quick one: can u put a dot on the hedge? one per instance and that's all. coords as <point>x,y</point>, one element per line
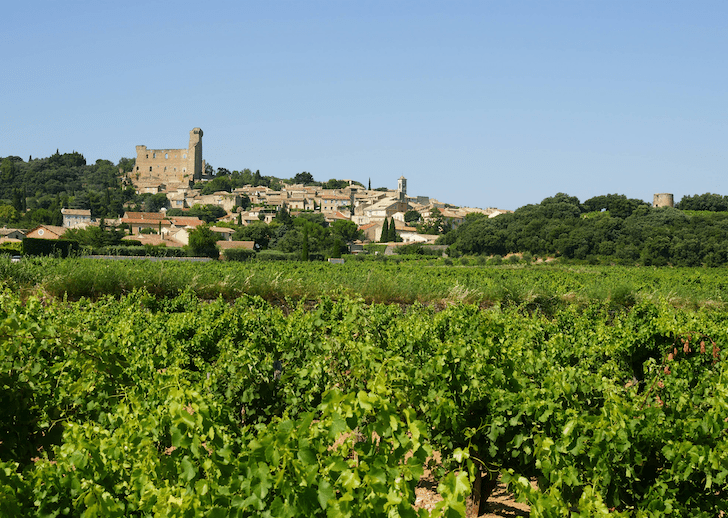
<point>56,247</point>
<point>238,254</point>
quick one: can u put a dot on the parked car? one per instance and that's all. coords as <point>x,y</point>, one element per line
<point>15,259</point>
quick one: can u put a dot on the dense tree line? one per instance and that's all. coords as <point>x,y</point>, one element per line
<point>225,180</point>
<point>622,230</point>
<point>707,201</point>
<point>34,192</point>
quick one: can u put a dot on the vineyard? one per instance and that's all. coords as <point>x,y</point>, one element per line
<point>157,389</point>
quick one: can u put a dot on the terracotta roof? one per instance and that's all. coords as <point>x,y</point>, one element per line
<point>222,230</point>
<point>8,231</point>
<point>144,215</point>
<point>59,231</point>
<point>164,222</point>
<point>224,245</point>
<point>186,221</point>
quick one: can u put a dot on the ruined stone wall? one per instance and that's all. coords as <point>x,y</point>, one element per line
<point>663,200</point>
<point>169,166</point>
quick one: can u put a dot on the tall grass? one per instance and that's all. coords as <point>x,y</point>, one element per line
<point>374,281</point>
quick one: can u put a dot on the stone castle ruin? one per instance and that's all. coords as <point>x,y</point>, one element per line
<point>168,169</point>
<point>663,199</point>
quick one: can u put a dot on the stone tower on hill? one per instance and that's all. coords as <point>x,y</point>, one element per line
<point>168,169</point>
<point>663,199</point>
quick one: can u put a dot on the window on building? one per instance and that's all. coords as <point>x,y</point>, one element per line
<point>150,169</point>
<point>166,155</point>
<point>154,155</point>
<point>184,156</point>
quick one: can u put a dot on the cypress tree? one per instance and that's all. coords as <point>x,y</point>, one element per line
<point>392,232</point>
<point>304,248</point>
<point>385,232</point>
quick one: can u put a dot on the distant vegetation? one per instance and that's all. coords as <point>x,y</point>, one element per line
<point>608,228</point>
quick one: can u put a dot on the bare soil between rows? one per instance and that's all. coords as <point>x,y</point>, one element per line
<point>500,504</point>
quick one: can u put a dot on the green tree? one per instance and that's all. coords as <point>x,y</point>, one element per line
<point>335,184</point>
<point>256,231</point>
<point>304,178</point>
<point>126,164</point>
<point>207,213</point>
<point>345,229</point>
<point>336,248</point>
<point>392,232</point>
<point>245,202</point>
<point>412,216</point>
<point>385,231</point>
<point>7,171</point>
<point>155,202</point>
<point>283,216</point>
<point>8,214</point>
<point>304,246</point>
<point>203,242</point>
<point>18,200</point>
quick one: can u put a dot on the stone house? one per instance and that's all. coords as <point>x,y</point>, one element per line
<point>76,218</point>
<point>156,221</point>
<point>225,232</point>
<point>11,234</point>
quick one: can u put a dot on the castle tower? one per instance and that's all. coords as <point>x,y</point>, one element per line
<point>663,200</point>
<point>195,150</point>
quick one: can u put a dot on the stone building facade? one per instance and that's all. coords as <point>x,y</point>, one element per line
<point>172,168</point>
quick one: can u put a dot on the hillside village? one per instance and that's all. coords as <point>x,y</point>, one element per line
<point>174,172</point>
<point>170,201</point>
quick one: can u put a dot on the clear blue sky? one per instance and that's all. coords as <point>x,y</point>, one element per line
<point>486,104</point>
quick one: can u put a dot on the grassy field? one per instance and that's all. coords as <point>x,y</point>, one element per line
<point>402,282</point>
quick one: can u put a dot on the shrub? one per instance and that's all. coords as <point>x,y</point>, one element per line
<point>238,254</point>
<point>55,247</point>
<point>622,295</point>
<point>275,255</point>
<point>495,260</point>
<point>202,242</point>
<point>163,251</point>
<point>11,248</point>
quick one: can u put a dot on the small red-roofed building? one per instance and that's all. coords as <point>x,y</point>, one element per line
<point>46,232</point>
